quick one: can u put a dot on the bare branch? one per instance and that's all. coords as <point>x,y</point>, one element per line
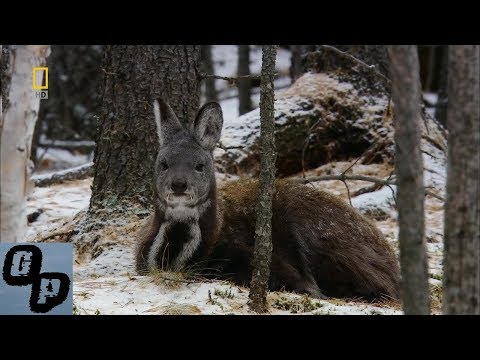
<point>432,194</point>
<point>348,192</point>
<point>342,177</point>
<point>367,189</point>
<point>372,68</point>
<point>230,79</point>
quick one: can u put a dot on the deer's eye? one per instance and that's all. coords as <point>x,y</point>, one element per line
<point>163,166</point>
<point>199,167</point>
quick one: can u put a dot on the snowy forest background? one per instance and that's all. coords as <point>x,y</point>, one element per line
<point>334,124</point>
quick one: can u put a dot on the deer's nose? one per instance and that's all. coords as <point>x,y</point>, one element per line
<point>179,186</point>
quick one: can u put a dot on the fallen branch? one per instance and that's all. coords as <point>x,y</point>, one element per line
<point>76,173</point>
<point>342,177</point>
<point>70,145</point>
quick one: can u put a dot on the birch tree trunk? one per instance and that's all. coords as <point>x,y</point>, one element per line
<point>16,139</point>
<point>461,286</point>
<point>409,170</point>
<point>263,228</point>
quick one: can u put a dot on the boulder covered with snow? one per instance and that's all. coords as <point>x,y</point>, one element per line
<point>326,116</point>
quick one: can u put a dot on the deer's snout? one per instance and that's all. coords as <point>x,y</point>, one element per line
<point>179,186</point>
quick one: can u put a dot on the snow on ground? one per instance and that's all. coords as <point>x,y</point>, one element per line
<point>57,202</point>
<point>108,284</point>
<point>51,159</point>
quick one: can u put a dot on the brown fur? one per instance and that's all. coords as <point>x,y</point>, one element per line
<point>321,245</point>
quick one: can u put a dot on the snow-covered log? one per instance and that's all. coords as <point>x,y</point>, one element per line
<point>339,113</point>
<point>19,120</point>
<point>76,173</point>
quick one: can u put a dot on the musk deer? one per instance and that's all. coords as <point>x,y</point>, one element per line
<point>321,245</point>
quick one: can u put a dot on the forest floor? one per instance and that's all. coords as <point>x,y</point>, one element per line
<point>106,283</point>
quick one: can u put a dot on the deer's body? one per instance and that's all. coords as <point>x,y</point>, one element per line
<point>321,245</point>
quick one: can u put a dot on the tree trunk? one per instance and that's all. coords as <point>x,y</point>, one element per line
<point>244,85</point>
<point>296,67</point>
<point>409,170</point>
<point>441,108</point>
<point>75,76</point>
<point>461,287</point>
<point>1,93</point>
<point>263,227</point>
<point>127,141</point>
<point>4,77</point>
<point>208,68</point>
<point>373,55</point>
<point>16,137</point>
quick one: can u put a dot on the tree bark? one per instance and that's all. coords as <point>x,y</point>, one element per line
<point>16,139</point>
<point>208,68</point>
<point>409,169</point>
<point>244,85</point>
<point>263,227</point>
<point>441,108</point>
<point>296,67</point>
<point>127,141</point>
<point>1,93</point>
<point>461,286</point>
<point>75,74</point>
<point>5,74</point>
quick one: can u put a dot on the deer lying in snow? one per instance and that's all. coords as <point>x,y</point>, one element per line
<point>321,245</point>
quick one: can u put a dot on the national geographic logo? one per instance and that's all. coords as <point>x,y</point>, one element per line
<point>40,82</point>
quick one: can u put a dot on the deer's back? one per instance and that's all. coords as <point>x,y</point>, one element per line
<point>312,231</point>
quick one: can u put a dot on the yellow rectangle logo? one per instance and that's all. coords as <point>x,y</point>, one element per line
<point>42,83</point>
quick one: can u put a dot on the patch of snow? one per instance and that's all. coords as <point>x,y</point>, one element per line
<point>56,159</point>
<point>379,200</point>
<point>430,98</point>
<point>115,260</point>
<point>57,202</point>
<point>140,295</point>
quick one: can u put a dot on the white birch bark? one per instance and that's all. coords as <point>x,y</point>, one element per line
<point>16,140</point>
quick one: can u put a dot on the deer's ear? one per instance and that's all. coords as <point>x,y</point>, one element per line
<point>166,120</point>
<point>208,125</point>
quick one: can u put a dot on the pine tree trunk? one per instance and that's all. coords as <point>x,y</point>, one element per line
<point>441,108</point>
<point>296,67</point>
<point>208,68</point>
<point>16,139</point>
<point>75,74</point>
<point>461,287</point>
<point>409,170</point>
<point>127,142</point>
<point>263,227</point>
<point>244,85</point>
